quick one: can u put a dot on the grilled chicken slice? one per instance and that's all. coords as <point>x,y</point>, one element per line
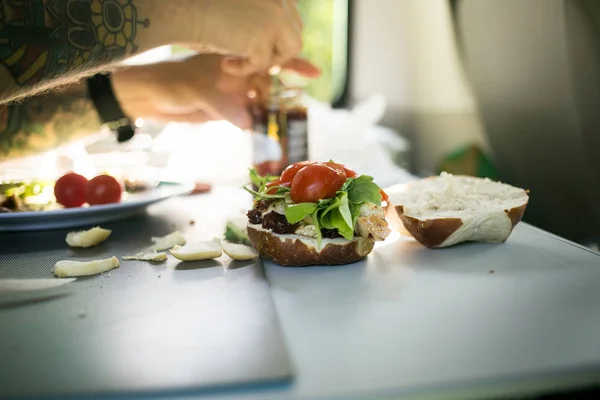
<point>372,227</point>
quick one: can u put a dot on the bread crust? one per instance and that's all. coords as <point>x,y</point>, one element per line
<point>435,233</point>
<point>291,251</point>
<point>516,214</point>
<point>430,232</point>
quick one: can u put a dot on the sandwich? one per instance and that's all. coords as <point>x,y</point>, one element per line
<point>316,213</point>
<point>445,210</point>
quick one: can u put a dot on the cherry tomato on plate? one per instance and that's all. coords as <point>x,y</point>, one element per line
<point>315,182</point>
<point>69,190</point>
<point>103,189</point>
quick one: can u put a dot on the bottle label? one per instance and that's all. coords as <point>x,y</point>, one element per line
<point>297,140</point>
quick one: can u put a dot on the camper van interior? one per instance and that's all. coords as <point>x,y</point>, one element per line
<point>409,213</point>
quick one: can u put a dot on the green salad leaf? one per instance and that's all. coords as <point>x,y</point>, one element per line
<point>260,182</point>
<point>338,215</point>
<point>297,212</point>
<point>363,190</point>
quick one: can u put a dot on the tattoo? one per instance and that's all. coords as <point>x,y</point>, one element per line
<point>44,39</point>
<point>43,122</point>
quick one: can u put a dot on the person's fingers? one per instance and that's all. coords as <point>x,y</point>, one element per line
<point>302,67</point>
<point>293,14</point>
<point>231,64</point>
<point>260,59</point>
<point>287,46</point>
<point>289,43</point>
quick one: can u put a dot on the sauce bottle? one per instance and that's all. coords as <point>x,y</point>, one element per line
<point>279,129</point>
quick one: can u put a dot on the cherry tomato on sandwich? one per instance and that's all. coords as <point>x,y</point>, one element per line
<point>273,186</point>
<point>384,196</point>
<point>69,190</point>
<point>314,182</point>
<point>350,173</point>
<point>288,174</point>
<point>103,189</point>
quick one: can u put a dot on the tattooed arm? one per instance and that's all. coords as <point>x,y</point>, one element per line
<point>194,89</point>
<point>46,43</point>
<point>41,123</point>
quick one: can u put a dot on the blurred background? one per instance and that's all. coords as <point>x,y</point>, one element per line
<point>503,89</point>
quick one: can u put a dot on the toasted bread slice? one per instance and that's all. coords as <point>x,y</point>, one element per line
<point>444,210</point>
<point>301,251</point>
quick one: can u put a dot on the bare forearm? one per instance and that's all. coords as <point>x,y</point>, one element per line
<point>47,43</point>
<point>41,123</point>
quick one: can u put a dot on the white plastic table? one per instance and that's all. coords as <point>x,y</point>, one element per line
<point>409,322</point>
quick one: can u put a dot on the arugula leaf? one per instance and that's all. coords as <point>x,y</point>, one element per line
<point>260,181</point>
<point>355,210</point>
<point>315,219</point>
<point>255,178</point>
<point>363,190</point>
<point>297,212</point>
<point>344,210</point>
<point>345,187</point>
<point>324,214</point>
<point>338,222</point>
<point>325,221</point>
<point>333,204</point>
<point>264,195</point>
<point>338,216</point>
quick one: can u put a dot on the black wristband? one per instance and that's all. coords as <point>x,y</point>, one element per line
<point>101,93</point>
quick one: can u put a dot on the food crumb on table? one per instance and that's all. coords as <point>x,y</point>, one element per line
<point>192,222</point>
<point>491,271</point>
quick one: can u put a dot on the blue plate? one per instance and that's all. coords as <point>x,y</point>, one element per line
<point>132,204</point>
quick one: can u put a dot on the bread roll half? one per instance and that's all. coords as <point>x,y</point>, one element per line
<point>445,210</point>
<point>302,251</point>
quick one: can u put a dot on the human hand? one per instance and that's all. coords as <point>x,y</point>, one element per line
<point>258,34</point>
<point>195,89</point>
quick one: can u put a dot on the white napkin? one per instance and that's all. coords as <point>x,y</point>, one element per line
<point>352,137</point>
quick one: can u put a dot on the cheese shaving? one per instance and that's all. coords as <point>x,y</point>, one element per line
<point>147,256</point>
<point>70,268</point>
<point>89,238</point>
<point>205,250</point>
<point>169,241</point>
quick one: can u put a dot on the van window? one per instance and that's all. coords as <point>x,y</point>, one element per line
<point>325,40</point>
